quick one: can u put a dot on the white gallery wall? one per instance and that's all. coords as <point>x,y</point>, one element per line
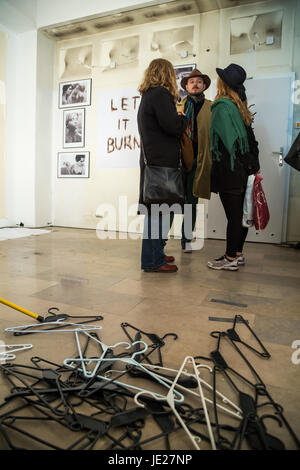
<point>78,201</point>
<point>8,50</point>
<point>30,161</point>
<point>29,98</point>
<point>3,47</point>
<point>34,136</point>
<point>44,131</point>
<point>106,185</point>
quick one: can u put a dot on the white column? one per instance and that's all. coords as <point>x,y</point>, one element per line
<point>22,131</point>
<point>3,47</point>
<point>45,159</point>
<point>28,129</point>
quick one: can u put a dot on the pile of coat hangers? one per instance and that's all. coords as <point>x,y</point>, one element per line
<point>106,395</point>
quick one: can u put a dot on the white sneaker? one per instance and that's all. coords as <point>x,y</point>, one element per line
<point>223,263</point>
<point>241,260</point>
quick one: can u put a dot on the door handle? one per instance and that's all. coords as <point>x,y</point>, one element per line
<point>280,158</point>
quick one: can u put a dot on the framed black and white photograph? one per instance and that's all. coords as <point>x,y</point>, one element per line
<point>74,128</point>
<point>75,93</point>
<point>73,165</point>
<point>182,71</point>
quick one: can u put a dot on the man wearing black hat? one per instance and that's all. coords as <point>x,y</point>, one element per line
<point>197,110</point>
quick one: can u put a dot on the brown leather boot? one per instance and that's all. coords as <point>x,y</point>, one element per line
<point>165,268</point>
<point>169,259</point>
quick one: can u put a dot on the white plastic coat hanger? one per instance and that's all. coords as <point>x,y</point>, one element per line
<point>170,399</point>
<point>84,360</point>
<point>40,328</point>
<point>11,348</point>
<point>236,414</point>
<point>69,362</point>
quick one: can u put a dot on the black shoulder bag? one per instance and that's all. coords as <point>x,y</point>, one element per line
<point>162,184</point>
<point>250,159</point>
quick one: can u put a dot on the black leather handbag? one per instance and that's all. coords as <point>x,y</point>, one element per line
<point>162,184</point>
<point>250,159</point>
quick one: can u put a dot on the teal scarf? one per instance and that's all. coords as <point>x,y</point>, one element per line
<point>227,125</point>
<point>189,112</point>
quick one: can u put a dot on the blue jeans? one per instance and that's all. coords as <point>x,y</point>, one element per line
<point>156,229</point>
<point>189,220</point>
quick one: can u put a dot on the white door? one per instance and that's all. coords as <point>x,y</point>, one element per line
<point>271,97</point>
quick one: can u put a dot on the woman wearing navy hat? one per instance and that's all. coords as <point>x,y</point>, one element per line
<point>235,157</point>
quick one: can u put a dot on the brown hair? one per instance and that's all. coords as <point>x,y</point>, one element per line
<point>224,91</point>
<point>160,72</point>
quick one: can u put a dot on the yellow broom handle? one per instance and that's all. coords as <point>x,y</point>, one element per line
<point>23,310</point>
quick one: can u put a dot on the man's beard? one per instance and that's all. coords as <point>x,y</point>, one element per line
<point>196,93</point>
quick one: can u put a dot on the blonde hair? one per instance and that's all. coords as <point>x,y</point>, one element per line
<point>224,91</point>
<point>160,72</point>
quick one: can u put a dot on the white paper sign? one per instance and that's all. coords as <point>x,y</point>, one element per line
<point>118,136</point>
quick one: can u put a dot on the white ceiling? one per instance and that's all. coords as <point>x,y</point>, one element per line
<point>18,17</point>
<point>170,9</point>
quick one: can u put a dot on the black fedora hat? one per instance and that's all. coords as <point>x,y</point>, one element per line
<point>234,76</point>
<point>195,73</point>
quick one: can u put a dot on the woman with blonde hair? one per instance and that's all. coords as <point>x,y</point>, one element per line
<point>160,127</point>
<point>235,157</point>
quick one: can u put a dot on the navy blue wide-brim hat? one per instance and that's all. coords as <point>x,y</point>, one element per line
<point>234,76</point>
